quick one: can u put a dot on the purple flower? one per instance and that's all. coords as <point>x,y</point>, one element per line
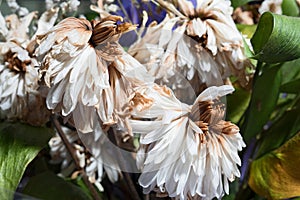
<point>134,11</point>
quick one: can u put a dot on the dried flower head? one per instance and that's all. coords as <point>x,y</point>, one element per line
<point>19,96</point>
<point>197,41</point>
<point>81,56</point>
<point>19,79</point>
<point>187,151</point>
<point>90,78</point>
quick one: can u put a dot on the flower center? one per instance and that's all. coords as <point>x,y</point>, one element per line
<point>109,29</point>
<point>14,63</point>
<point>210,112</point>
<point>208,116</point>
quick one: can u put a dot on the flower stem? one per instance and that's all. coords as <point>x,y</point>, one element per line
<point>131,187</point>
<point>71,151</point>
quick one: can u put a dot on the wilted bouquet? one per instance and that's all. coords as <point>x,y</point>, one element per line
<point>189,99</point>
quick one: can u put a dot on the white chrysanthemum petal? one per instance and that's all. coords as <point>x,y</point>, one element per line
<point>47,20</point>
<point>147,178</point>
<point>11,86</point>
<point>20,89</point>
<point>132,69</point>
<point>157,133</point>
<point>199,27</point>
<point>5,103</point>
<point>84,125</point>
<point>143,127</point>
<point>166,33</point>
<point>3,28</point>
<point>211,40</point>
<point>188,160</point>
<point>214,92</point>
<point>231,36</point>
<point>55,94</point>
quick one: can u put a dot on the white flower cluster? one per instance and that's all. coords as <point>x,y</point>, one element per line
<point>66,6</point>
<point>201,43</point>
<point>77,70</point>
<point>19,95</point>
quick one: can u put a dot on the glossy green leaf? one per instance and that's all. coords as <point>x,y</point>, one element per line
<point>263,100</point>
<point>281,130</point>
<point>237,103</point>
<point>290,8</point>
<point>276,175</point>
<point>290,71</point>
<point>48,185</point>
<point>291,87</point>
<point>277,38</point>
<point>19,145</point>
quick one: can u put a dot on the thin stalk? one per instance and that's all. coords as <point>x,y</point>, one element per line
<point>131,187</point>
<point>71,151</point>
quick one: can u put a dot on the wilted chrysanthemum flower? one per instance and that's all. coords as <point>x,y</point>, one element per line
<point>82,60</point>
<point>19,96</point>
<point>90,78</point>
<point>188,151</point>
<point>18,79</point>
<point>212,51</point>
<point>273,6</point>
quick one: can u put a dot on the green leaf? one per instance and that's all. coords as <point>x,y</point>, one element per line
<point>19,145</point>
<point>291,87</point>
<point>290,71</point>
<point>48,185</point>
<point>282,129</point>
<point>277,38</point>
<point>80,183</point>
<point>276,175</point>
<point>237,103</point>
<point>263,100</point>
<point>290,8</point>
<point>245,29</point>
<point>237,3</point>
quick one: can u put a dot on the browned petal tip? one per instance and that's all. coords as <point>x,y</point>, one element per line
<point>114,18</point>
<point>123,28</point>
<point>230,128</point>
<point>110,29</point>
<point>202,125</point>
<point>141,102</point>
